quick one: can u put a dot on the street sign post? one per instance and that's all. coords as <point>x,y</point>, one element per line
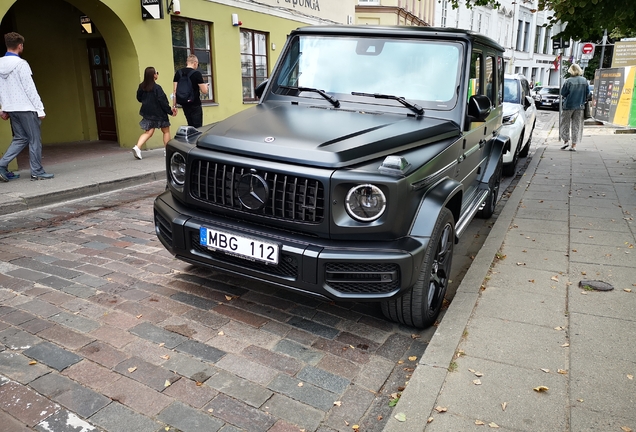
<point>587,51</point>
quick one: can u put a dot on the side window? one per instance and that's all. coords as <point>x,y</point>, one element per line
<point>475,85</point>
<point>500,73</point>
<point>491,80</point>
<point>526,90</point>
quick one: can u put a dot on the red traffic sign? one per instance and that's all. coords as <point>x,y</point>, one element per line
<point>587,48</point>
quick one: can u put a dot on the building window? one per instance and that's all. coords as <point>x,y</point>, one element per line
<point>444,12</point>
<point>546,41</point>
<point>193,37</point>
<point>526,37</point>
<point>519,35</point>
<point>478,22</point>
<point>253,62</point>
<point>537,40</point>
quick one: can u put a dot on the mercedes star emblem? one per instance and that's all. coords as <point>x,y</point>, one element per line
<point>252,191</point>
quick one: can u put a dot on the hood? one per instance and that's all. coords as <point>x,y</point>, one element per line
<point>511,108</point>
<point>321,136</point>
<point>8,64</point>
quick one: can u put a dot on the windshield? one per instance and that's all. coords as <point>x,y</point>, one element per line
<point>511,91</point>
<point>422,71</point>
<point>550,90</point>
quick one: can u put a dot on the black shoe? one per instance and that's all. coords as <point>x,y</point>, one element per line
<point>565,146</point>
<point>43,176</point>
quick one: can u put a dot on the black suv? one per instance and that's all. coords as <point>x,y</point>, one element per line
<point>370,151</point>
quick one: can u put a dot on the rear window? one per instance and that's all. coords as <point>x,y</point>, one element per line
<point>511,91</point>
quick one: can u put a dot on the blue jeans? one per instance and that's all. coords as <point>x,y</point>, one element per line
<point>26,132</point>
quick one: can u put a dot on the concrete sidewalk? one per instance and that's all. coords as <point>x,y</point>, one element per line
<point>521,321</point>
<point>80,177</point>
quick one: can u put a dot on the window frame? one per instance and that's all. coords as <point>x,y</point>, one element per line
<point>207,77</point>
<point>253,54</point>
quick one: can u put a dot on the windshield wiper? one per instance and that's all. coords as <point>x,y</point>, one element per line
<point>335,102</point>
<point>415,107</point>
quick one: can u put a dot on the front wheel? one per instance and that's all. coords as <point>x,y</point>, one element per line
<point>420,306</point>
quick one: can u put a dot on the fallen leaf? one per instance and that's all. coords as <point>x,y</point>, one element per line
<point>412,358</point>
<point>541,389</point>
<point>627,290</point>
<point>441,409</point>
<point>580,400</point>
<point>504,405</point>
<point>479,422</point>
<point>380,418</point>
<point>479,374</point>
<point>199,384</point>
<point>545,370</point>
<point>583,273</point>
<point>565,345</point>
<point>400,361</point>
<point>355,427</point>
<point>401,417</point>
<point>132,369</point>
<point>337,403</point>
<point>211,410</point>
<point>165,357</point>
<point>300,384</point>
<point>471,370</point>
<point>531,280</point>
<point>139,316</point>
<point>521,263</point>
<point>493,425</point>
<point>477,382</point>
<point>32,362</point>
<point>625,429</point>
<point>162,344</point>
<point>221,333</point>
<point>346,423</point>
<point>167,383</point>
<point>555,278</point>
<point>415,336</point>
<point>228,298</point>
<point>631,377</point>
<point>562,371</point>
<point>430,419</point>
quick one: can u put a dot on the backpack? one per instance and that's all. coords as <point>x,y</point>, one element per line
<point>185,93</point>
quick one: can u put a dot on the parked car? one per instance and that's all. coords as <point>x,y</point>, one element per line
<point>548,97</point>
<point>519,119</point>
<point>341,183</point>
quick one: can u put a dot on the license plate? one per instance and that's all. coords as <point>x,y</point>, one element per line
<point>243,247</point>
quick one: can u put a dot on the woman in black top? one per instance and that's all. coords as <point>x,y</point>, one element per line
<point>154,110</point>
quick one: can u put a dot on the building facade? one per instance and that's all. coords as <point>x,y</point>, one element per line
<point>395,12</point>
<point>520,27</point>
<point>88,56</point>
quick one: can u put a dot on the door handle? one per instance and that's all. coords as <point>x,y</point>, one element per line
<point>461,158</point>
<point>482,143</point>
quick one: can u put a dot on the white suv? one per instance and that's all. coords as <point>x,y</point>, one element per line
<point>519,119</point>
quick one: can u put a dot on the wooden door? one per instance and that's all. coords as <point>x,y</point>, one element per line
<point>102,93</point>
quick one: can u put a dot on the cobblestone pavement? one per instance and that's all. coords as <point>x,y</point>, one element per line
<point>102,329</point>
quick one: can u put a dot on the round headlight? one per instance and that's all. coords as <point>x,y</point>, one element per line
<point>178,168</point>
<point>365,203</point>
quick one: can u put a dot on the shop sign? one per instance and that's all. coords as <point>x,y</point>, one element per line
<point>151,9</point>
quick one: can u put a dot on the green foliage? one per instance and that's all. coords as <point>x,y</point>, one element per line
<point>586,19</point>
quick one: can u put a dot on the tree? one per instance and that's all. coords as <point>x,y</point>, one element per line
<point>586,19</point>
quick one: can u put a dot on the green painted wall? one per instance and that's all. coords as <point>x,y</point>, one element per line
<point>56,50</point>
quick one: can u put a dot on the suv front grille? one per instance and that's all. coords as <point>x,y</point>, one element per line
<point>292,198</point>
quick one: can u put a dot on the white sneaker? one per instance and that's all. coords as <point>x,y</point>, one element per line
<point>137,152</point>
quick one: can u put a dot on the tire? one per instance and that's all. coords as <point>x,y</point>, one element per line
<point>421,305</point>
<point>524,151</point>
<point>510,169</point>
<point>491,202</point>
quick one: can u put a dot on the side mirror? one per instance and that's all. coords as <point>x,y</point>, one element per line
<point>479,107</point>
<point>528,102</point>
<point>258,91</point>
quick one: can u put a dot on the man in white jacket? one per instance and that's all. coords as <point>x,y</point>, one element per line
<point>21,103</point>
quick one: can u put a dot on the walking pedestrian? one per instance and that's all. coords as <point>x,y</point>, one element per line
<point>21,104</point>
<point>154,110</point>
<point>575,90</point>
<point>191,104</point>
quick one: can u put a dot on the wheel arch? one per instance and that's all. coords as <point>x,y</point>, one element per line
<point>447,193</point>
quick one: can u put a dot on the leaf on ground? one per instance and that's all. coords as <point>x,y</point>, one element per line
<point>565,345</point>
<point>625,429</point>
<point>400,361</point>
<point>493,425</point>
<point>165,357</point>
<point>504,405</point>
<point>221,333</point>
<point>162,344</point>
<point>199,383</point>
<point>32,362</point>
<point>401,417</point>
<point>228,298</point>
<point>210,410</point>
<point>132,369</point>
<point>479,422</point>
<point>555,278</point>
<point>167,383</point>
<point>545,370</point>
<point>412,358</point>
<point>562,371</point>
<point>580,400</point>
<point>558,328</point>
<point>430,419</point>
<point>139,316</point>
<point>355,427</point>
<point>521,263</point>
<point>630,377</point>
<point>541,389</point>
<point>471,370</point>
<point>479,374</point>
<point>380,418</point>
<point>627,290</point>
<point>415,336</point>
<point>477,382</point>
<point>337,403</point>
<point>441,409</point>
<point>531,280</point>
<point>300,384</point>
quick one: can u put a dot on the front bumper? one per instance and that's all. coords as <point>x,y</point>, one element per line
<point>513,131</point>
<point>339,270</point>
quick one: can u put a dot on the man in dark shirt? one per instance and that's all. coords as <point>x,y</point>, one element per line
<point>193,111</point>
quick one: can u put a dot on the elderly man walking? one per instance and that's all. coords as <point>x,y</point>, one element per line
<point>575,91</point>
<point>21,103</point>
